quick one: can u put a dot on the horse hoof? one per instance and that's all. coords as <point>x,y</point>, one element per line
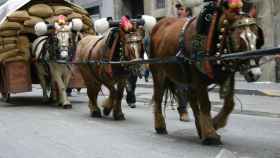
<point>96,114</point>
<point>107,111</point>
<point>67,106</point>
<point>46,101</point>
<point>119,117</point>
<point>161,131</point>
<point>212,141</point>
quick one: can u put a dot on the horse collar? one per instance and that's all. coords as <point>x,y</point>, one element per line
<point>182,47</point>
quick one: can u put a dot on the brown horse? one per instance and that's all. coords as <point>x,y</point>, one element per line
<point>117,44</point>
<point>234,33</point>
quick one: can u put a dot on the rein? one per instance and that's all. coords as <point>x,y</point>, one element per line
<point>179,59</point>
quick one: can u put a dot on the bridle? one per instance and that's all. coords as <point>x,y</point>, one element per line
<point>133,40</point>
<point>226,43</point>
<point>55,48</point>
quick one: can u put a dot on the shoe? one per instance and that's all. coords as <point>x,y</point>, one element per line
<point>146,79</point>
<point>184,117</point>
<point>132,105</point>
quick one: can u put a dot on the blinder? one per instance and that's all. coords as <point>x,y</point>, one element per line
<point>244,22</point>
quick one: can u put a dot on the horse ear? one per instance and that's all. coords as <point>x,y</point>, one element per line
<point>260,39</point>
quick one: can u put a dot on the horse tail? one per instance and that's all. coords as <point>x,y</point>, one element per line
<point>169,93</point>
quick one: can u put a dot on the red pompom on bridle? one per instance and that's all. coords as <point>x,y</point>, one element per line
<point>125,24</point>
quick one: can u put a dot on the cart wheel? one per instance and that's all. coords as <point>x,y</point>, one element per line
<point>6,96</point>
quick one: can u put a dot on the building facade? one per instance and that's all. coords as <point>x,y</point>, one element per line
<point>112,8</point>
<point>268,17</point>
<point>97,8</point>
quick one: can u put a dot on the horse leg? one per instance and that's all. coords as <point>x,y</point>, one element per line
<point>182,101</point>
<point>66,79</point>
<point>57,75</point>
<point>208,132</point>
<point>54,91</point>
<point>93,88</point>
<point>195,108</point>
<point>220,120</point>
<point>159,121</point>
<point>107,104</point>
<point>92,92</point>
<point>118,93</point>
<point>43,83</point>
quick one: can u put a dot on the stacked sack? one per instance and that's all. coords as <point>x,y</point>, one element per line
<point>16,30</point>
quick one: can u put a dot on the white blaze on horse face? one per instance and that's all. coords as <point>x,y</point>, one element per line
<point>63,34</point>
<point>249,37</point>
<point>135,48</point>
<point>63,38</point>
<point>134,43</point>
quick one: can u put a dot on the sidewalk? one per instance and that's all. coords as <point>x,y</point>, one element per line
<point>269,89</point>
<point>259,98</point>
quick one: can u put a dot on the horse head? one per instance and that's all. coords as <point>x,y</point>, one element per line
<point>131,33</point>
<point>60,37</point>
<point>131,39</point>
<point>238,33</point>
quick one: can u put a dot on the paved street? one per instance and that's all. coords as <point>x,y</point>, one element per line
<point>30,129</point>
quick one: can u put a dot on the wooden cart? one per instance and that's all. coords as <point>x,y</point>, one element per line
<point>15,78</point>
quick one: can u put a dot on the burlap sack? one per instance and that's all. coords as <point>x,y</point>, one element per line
<point>27,29</point>
<point>41,10</point>
<point>87,20</point>
<point>18,16</point>
<point>33,20</point>
<point>11,26</point>
<point>8,33</point>
<point>80,10</point>
<point>91,32</point>
<point>8,54</point>
<point>86,28</point>
<point>8,47</point>
<point>51,20</point>
<point>9,40</point>
<point>74,15</point>
<point>16,58</point>
<point>62,10</point>
<point>88,32</point>
<point>23,44</point>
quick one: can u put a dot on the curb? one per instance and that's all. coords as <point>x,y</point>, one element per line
<point>268,93</point>
<point>216,108</point>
